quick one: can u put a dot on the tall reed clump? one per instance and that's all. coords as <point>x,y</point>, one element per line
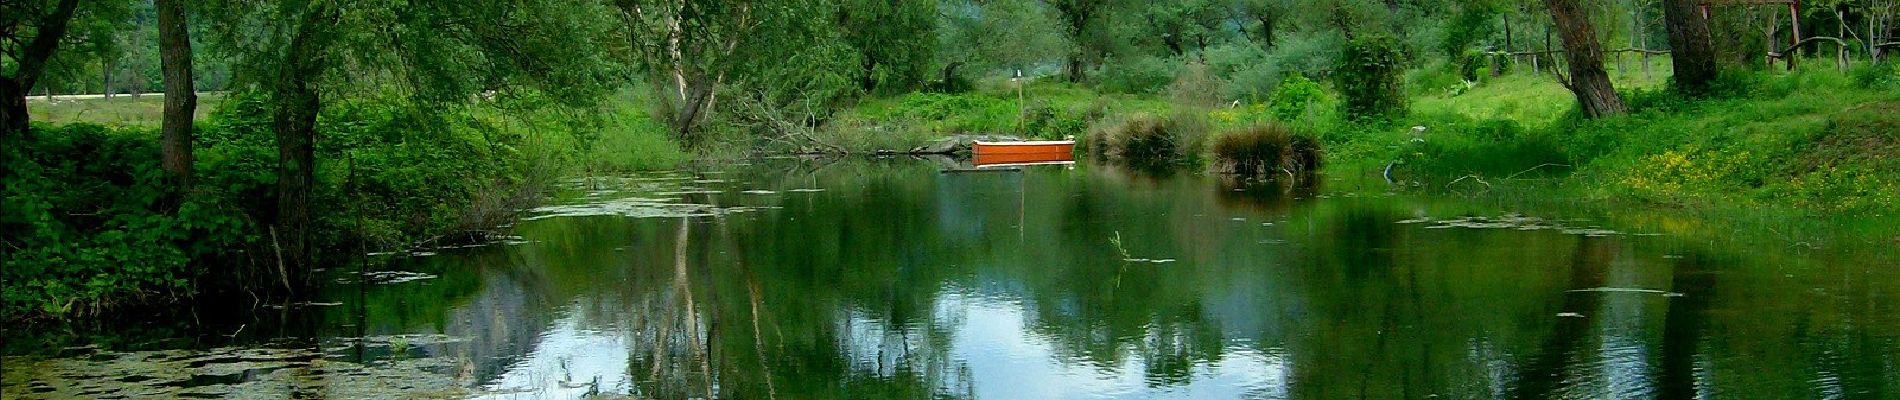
<point>1145,139</point>
<point>1265,149</point>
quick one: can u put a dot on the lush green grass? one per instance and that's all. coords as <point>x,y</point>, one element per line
<point>1818,139</point>
<point>121,110</point>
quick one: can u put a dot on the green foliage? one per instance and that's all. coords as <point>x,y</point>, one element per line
<point>1195,86</point>
<point>1296,98</point>
<point>1877,75</point>
<point>1138,75</point>
<point>90,223</point>
<point>1453,147</point>
<point>1244,67</point>
<point>1368,79</point>
<point>895,41</point>
<point>1051,123</point>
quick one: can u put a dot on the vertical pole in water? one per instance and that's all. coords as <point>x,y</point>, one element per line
<point>1022,107</point>
<point>362,265</point>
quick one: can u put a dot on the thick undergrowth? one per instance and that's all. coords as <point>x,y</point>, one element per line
<point>91,224</point>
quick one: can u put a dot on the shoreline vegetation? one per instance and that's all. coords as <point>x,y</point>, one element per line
<point>314,143</point>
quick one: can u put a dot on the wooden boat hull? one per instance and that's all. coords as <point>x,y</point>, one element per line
<point>1024,153</point>
<point>1048,147</point>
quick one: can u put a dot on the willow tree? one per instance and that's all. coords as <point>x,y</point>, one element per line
<point>300,54</point>
<point>1596,96</point>
<point>30,32</point>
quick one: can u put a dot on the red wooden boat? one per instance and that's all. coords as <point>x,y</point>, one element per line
<point>1007,154</point>
<point>1064,147</point>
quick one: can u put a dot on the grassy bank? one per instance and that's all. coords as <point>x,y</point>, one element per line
<point>1818,139</point>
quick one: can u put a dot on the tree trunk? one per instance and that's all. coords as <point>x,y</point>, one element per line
<point>1692,48</point>
<point>181,98</point>
<point>1074,68</point>
<point>1266,31</point>
<point>105,77</point>
<point>1639,37</point>
<point>1510,41</point>
<point>13,107</point>
<point>950,74</point>
<point>32,62</point>
<point>295,124</point>
<point>1595,95</point>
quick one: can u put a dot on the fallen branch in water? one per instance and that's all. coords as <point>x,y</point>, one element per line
<point>1474,177</point>
<point>1626,290</point>
<point>1535,168</point>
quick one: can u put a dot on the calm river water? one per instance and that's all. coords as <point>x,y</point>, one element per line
<point>801,279</point>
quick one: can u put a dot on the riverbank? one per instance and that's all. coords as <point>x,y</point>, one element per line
<point>93,225</point>
<point>1818,140</point>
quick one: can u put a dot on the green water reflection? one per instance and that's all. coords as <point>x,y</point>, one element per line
<point>893,279</point>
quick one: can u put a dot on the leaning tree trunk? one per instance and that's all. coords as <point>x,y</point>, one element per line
<point>181,99</point>
<point>1595,95</point>
<point>1692,48</point>
<point>29,65</point>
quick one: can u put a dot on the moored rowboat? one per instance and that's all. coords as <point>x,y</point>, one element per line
<point>1063,147</point>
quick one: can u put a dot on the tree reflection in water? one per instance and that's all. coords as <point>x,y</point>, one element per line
<point>888,279</point>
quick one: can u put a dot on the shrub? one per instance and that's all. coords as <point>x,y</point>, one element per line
<point>1266,148</point>
<point>1369,79</point>
<point>91,222</point>
<point>1045,122</point>
<point>1877,75</point>
<point>1295,98</point>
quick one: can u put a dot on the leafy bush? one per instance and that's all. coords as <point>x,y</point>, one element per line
<point>1139,75</point>
<point>91,223</point>
<point>1045,122</point>
<point>1877,75</point>
<point>1295,98</point>
<point>1368,79</point>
